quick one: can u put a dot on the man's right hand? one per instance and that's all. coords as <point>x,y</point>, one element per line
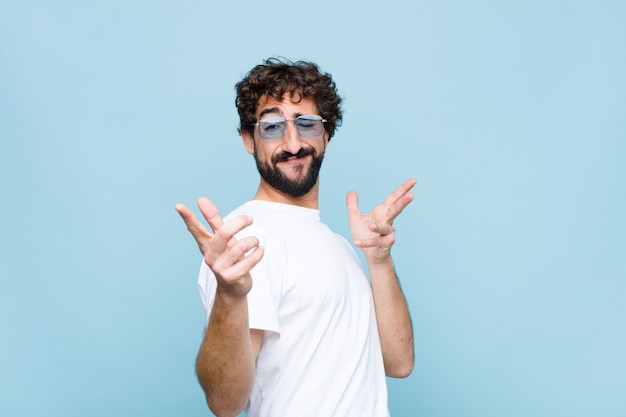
<point>225,255</point>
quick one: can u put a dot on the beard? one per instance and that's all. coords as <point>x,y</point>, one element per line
<point>279,181</point>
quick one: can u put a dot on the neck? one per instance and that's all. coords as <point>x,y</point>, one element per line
<point>266,192</point>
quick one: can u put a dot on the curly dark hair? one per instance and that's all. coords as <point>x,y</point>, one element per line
<point>277,77</point>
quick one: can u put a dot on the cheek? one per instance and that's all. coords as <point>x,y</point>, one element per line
<point>321,148</point>
<point>265,151</point>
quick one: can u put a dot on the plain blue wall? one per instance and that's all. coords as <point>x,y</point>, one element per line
<point>511,115</point>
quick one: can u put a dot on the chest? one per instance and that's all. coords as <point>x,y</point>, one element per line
<point>321,274</point>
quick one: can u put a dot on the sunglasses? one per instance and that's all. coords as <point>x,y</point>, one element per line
<point>308,126</point>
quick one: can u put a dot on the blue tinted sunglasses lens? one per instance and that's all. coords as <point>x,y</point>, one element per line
<point>308,126</point>
<point>272,128</point>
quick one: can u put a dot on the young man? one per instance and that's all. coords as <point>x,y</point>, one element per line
<point>294,326</point>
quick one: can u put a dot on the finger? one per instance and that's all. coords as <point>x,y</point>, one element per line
<point>400,192</point>
<point>194,225</point>
<point>210,213</point>
<point>382,229</point>
<point>245,264</point>
<point>399,206</point>
<point>352,203</point>
<point>225,235</point>
<point>383,242</point>
<point>239,274</point>
<point>250,261</point>
<point>399,199</point>
<point>230,255</point>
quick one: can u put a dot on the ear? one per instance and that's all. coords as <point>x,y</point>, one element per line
<point>248,142</point>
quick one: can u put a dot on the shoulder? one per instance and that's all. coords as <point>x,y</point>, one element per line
<point>260,211</point>
<point>262,219</point>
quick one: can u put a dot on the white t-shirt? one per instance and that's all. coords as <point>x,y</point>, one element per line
<point>321,353</point>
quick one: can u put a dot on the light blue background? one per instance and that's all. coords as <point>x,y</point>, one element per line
<point>511,115</point>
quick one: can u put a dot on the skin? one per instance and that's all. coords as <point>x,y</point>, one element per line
<point>294,168</point>
<point>226,361</point>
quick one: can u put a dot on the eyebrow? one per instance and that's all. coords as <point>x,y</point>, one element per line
<point>268,111</point>
<point>275,110</point>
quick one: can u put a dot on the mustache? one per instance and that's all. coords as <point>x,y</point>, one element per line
<point>283,156</point>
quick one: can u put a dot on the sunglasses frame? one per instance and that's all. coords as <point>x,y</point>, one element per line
<point>281,121</point>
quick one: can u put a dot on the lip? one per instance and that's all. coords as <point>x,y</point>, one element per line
<point>294,160</point>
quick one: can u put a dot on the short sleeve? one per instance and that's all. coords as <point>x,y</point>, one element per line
<point>264,297</point>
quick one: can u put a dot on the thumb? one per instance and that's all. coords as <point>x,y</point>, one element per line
<point>352,203</point>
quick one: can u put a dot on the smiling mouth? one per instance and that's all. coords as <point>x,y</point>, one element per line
<point>288,156</point>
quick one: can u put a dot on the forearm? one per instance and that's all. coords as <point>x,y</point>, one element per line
<point>225,363</point>
<point>393,318</point>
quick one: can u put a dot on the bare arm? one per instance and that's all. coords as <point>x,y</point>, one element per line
<point>374,234</point>
<point>225,362</point>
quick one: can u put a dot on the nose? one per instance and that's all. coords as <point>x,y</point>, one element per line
<point>292,142</point>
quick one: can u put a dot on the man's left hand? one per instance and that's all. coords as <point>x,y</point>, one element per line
<point>374,232</point>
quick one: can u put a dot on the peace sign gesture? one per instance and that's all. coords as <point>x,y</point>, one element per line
<point>374,232</point>
<point>225,255</point>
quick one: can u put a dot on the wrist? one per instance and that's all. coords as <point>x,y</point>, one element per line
<point>228,297</point>
<point>377,260</point>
